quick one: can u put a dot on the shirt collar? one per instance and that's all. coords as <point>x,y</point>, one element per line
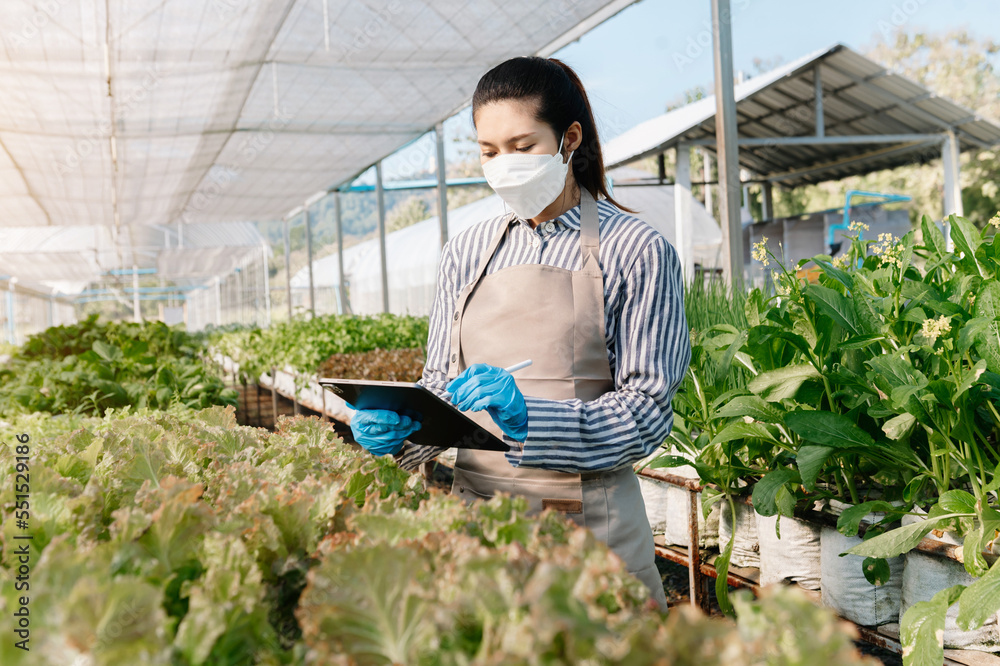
<point>571,218</point>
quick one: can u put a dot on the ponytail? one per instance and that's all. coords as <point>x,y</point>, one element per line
<point>561,100</point>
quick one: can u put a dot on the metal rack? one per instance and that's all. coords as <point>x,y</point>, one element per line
<point>701,569</point>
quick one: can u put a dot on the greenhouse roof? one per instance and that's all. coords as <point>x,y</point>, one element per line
<point>152,113</point>
<point>67,257</point>
<point>872,119</point>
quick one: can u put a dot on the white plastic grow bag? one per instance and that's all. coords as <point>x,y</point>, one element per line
<point>925,575</point>
<point>677,529</point>
<point>794,557</point>
<point>746,547</point>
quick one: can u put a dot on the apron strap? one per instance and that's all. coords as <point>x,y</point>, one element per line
<point>463,296</point>
<point>590,241</point>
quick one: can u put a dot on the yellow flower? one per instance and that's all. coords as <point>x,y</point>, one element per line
<point>995,220</point>
<point>857,226</point>
<point>840,261</point>
<point>888,250</point>
<point>760,251</point>
<point>932,329</point>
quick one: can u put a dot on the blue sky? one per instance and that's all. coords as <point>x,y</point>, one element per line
<point>660,51</point>
<point>649,54</point>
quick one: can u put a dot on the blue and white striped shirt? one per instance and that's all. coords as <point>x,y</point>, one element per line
<point>649,347</point>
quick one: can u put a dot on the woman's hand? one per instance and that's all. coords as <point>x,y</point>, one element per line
<point>482,386</point>
<point>381,431</point>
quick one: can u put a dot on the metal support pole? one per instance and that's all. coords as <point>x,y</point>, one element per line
<point>380,201</point>
<point>767,201</point>
<point>818,81</point>
<point>706,173</point>
<point>259,422</point>
<point>322,394</point>
<point>274,397</point>
<point>682,211</point>
<point>267,285</point>
<point>745,200</point>
<point>52,312</point>
<point>309,257</point>
<point>442,183</point>
<point>136,312</point>
<point>288,268</point>
<point>11,326</point>
<point>726,150</point>
<point>695,591</point>
<point>218,301</point>
<point>240,295</point>
<point>952,186</point>
<point>342,292</point>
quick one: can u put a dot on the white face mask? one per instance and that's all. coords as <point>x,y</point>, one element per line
<point>528,183</point>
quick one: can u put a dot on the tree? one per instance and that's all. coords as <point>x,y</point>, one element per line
<point>410,211</point>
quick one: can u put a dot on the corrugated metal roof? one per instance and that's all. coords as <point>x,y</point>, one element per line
<point>860,97</point>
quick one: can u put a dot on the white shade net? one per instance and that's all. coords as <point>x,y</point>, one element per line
<point>68,257</point>
<point>138,112</point>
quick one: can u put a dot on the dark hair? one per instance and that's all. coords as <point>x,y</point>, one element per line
<point>561,99</point>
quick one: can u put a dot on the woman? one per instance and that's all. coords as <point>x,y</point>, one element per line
<point>593,295</point>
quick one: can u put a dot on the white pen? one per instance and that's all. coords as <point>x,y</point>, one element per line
<point>513,368</point>
<point>518,366</point>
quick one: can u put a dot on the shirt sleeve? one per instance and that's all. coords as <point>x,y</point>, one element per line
<point>435,375</point>
<point>653,350</point>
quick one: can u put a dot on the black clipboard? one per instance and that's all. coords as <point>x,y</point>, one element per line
<point>442,424</point>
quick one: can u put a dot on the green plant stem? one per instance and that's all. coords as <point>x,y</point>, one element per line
<point>849,478</point>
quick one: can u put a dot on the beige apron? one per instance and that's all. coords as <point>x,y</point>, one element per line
<point>555,317</point>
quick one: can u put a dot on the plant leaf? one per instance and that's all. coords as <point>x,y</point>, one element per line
<point>834,305</point>
<point>988,340</point>
<point>972,556</point>
<point>781,383</point>
<point>876,570</point>
<point>859,342</point>
<point>967,239</point>
<point>753,406</point>
<point>810,460</point>
<point>971,377</point>
<point>921,629</point>
<point>980,600</point>
<point>722,580</point>
<point>851,517</point>
<point>743,430</point>
<point>765,491</point>
<point>955,501</point>
<point>829,429</point>
<point>838,274</point>
<point>898,426</point>
<point>668,461</point>
<point>933,238</point>
<point>896,541</point>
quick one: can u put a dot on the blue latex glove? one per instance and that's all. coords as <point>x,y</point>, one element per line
<point>381,431</point>
<point>482,386</point>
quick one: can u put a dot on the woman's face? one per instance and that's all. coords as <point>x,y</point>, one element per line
<point>510,126</point>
